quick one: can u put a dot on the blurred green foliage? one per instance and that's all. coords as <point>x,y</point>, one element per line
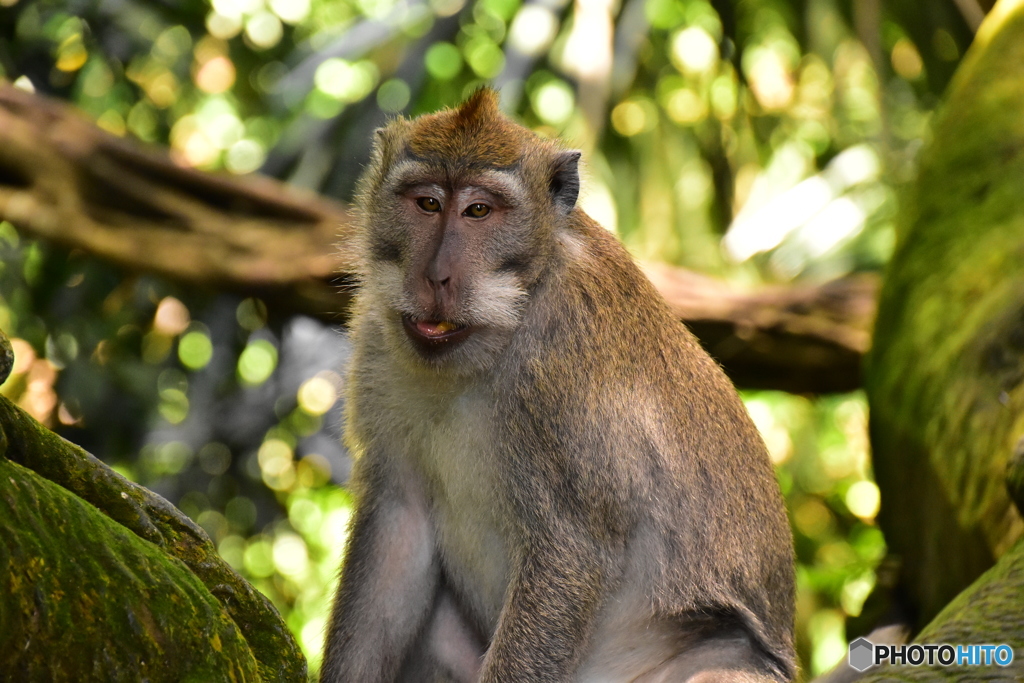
<point>761,140</point>
<point>821,451</point>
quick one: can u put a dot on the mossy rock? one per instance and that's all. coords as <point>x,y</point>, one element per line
<point>988,612</point>
<point>86,599</point>
<point>102,580</point>
<point>945,377</point>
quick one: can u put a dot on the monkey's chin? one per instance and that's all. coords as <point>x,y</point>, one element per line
<point>434,338</point>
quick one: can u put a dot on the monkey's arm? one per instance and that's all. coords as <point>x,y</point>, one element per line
<point>389,579</point>
<point>549,612</point>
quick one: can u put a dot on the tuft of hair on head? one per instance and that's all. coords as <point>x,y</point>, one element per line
<point>476,132</point>
<point>484,103</point>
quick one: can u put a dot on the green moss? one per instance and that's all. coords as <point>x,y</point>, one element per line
<point>83,598</point>
<point>944,377</point>
<point>105,580</point>
<point>987,612</point>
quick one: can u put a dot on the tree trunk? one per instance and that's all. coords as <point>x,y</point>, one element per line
<point>944,374</point>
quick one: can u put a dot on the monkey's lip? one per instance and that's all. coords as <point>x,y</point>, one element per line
<point>434,335</point>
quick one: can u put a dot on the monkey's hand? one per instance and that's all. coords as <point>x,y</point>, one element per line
<point>549,613</point>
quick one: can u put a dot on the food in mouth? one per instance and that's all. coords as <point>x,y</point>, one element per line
<point>435,329</point>
<point>433,336</point>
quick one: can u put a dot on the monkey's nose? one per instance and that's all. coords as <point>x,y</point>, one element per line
<point>438,283</point>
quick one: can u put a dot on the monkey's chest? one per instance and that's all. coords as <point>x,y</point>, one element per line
<point>466,505</point>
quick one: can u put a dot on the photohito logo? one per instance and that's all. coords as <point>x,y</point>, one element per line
<point>864,654</point>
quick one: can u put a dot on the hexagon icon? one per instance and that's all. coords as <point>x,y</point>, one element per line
<point>862,654</point>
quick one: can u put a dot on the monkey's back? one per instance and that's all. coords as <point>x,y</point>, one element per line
<point>684,478</point>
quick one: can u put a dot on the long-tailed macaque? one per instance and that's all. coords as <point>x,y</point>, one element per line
<point>554,482</point>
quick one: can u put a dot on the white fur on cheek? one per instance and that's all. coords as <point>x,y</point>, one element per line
<point>384,284</point>
<point>497,300</point>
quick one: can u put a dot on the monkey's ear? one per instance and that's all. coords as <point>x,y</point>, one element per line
<point>382,139</point>
<point>385,141</point>
<point>565,180</point>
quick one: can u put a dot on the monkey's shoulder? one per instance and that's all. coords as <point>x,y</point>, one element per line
<point>599,328</point>
<point>601,362</point>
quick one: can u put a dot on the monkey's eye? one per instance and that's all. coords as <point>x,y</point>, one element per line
<point>477,210</point>
<point>429,204</point>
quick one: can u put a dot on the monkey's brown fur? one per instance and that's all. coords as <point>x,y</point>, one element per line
<point>471,132</point>
<point>572,490</point>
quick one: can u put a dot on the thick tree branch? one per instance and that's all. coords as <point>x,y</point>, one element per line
<point>65,181</point>
<point>803,339</point>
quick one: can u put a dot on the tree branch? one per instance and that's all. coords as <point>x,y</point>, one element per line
<point>64,180</point>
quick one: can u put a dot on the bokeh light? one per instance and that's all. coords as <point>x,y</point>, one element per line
<point>257,362</point>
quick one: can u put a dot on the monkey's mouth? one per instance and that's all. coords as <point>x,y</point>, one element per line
<point>434,336</point>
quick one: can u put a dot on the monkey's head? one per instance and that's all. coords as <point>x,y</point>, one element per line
<point>461,215</point>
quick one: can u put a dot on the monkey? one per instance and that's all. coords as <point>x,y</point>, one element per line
<point>553,481</point>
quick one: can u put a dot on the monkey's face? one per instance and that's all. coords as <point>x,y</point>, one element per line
<point>460,213</point>
<point>451,260</point>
